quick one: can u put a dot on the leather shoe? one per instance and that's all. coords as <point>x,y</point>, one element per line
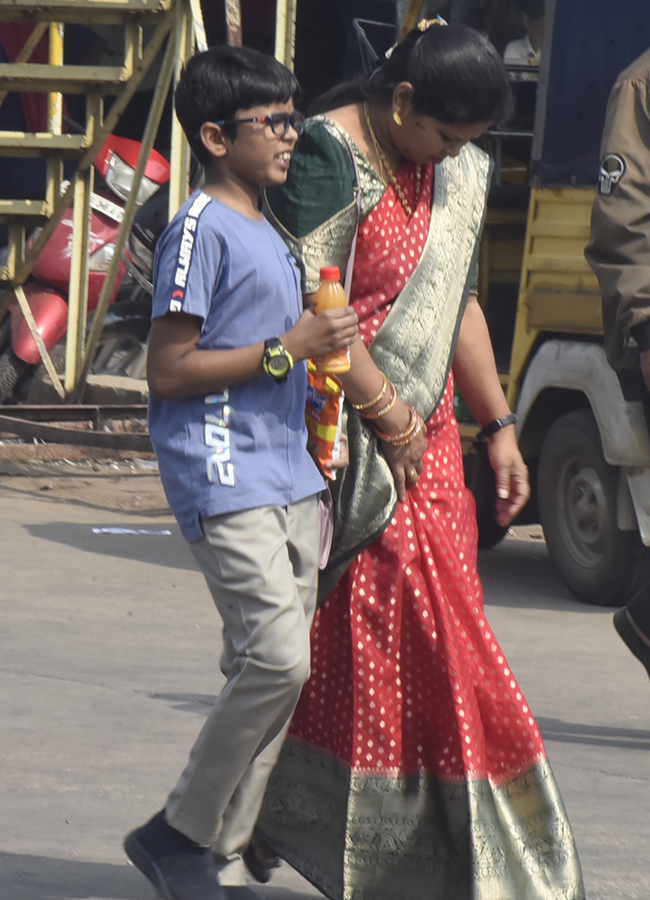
<point>631,638</point>
<point>259,859</point>
<point>178,868</point>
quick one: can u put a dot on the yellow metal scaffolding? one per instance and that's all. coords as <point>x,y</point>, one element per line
<point>173,27</point>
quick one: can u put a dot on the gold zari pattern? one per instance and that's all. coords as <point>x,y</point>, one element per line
<point>415,838</point>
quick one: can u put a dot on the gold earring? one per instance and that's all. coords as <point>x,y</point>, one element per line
<point>397,117</point>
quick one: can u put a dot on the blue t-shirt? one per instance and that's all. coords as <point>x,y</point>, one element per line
<point>246,446</point>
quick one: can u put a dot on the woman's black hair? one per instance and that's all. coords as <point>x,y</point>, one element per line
<point>457,77</point>
<point>219,82</point>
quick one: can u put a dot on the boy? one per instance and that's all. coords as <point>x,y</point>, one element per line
<point>227,385</point>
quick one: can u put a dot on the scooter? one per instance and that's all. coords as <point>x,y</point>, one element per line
<point>122,347</point>
<point>21,368</point>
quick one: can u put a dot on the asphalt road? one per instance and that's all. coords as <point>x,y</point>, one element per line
<point>110,649</point>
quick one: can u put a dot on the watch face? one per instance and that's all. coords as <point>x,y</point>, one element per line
<point>278,366</point>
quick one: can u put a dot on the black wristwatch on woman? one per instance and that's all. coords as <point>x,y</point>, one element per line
<point>497,425</point>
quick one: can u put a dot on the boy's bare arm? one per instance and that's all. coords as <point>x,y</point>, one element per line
<point>176,368</point>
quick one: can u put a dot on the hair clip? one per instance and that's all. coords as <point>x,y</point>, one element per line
<point>422,26</point>
<point>425,24</point>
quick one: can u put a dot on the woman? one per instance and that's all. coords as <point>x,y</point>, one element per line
<point>413,768</point>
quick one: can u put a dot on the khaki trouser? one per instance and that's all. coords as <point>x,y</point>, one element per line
<point>261,566</point>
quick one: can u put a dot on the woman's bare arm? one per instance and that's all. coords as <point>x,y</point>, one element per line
<point>476,376</point>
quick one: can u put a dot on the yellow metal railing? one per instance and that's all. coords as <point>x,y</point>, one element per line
<point>174,26</point>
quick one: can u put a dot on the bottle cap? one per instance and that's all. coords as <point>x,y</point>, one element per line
<point>330,273</point>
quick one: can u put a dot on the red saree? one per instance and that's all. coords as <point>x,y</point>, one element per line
<point>414,768</point>
<point>425,678</point>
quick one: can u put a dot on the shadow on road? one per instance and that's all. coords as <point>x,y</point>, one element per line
<point>520,574</point>
<point>596,736</point>
<point>43,878</point>
<point>200,704</point>
<point>168,550</point>
<point>27,877</point>
<point>515,574</point>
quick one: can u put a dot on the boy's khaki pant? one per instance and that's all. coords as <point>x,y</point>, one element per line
<point>261,566</point>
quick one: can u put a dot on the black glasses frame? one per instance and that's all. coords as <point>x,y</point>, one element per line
<point>281,120</point>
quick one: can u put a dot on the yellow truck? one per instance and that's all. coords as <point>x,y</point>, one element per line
<point>581,428</point>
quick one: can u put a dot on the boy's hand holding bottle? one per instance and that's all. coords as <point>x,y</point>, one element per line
<point>325,329</point>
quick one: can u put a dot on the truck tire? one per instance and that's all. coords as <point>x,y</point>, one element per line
<point>577,490</point>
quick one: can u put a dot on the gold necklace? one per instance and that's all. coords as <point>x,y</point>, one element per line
<point>387,170</point>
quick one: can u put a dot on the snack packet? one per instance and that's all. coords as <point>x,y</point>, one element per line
<point>323,417</point>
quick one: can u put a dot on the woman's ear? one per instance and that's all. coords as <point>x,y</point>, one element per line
<point>213,139</point>
<point>402,99</point>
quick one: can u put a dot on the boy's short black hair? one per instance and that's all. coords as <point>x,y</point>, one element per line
<point>218,82</point>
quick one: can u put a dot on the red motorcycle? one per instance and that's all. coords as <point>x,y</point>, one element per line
<point>47,287</point>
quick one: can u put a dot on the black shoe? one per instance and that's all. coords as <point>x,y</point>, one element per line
<point>631,638</point>
<point>259,859</point>
<point>178,868</point>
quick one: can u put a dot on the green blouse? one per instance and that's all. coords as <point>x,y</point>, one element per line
<point>316,209</point>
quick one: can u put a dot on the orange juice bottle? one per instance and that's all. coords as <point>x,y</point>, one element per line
<point>330,295</point>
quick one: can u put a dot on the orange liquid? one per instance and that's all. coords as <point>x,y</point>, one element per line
<point>330,295</point>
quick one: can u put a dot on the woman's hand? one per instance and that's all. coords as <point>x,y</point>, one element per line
<point>511,474</point>
<point>406,462</point>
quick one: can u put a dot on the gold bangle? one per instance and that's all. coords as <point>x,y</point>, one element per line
<point>361,406</point>
<point>404,437</point>
<point>385,409</point>
<point>409,437</point>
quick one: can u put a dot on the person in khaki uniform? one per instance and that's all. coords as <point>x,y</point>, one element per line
<point>619,254</point>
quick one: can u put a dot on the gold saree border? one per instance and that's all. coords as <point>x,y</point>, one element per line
<point>362,836</point>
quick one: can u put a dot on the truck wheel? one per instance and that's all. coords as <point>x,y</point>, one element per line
<point>577,489</point>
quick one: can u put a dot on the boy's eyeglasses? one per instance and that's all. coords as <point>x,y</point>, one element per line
<point>280,123</point>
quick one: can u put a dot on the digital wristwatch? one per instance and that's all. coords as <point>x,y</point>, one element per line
<point>277,361</point>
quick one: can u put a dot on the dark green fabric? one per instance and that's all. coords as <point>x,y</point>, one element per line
<point>320,183</point>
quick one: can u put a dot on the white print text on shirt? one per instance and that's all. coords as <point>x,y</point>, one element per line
<point>217,438</point>
<point>187,241</point>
